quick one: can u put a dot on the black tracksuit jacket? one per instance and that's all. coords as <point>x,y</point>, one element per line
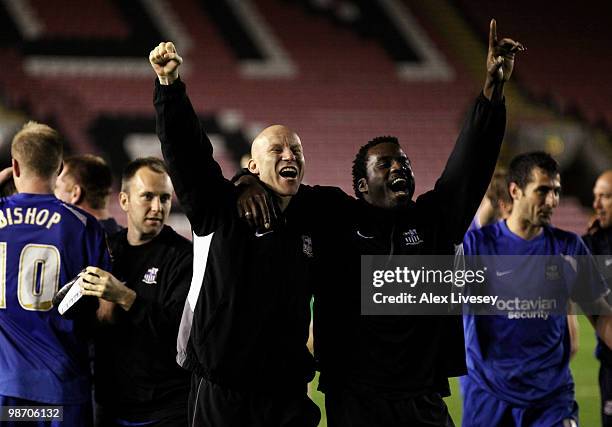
<point>136,375</point>
<point>396,355</point>
<point>600,244</point>
<point>247,316</point>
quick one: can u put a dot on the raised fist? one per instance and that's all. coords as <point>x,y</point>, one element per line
<point>165,62</point>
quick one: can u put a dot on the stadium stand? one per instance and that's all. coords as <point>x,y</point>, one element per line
<point>572,37</point>
<point>339,72</point>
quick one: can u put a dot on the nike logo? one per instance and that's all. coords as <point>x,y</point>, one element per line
<point>502,273</point>
<point>608,262</point>
<point>258,234</point>
<point>364,237</point>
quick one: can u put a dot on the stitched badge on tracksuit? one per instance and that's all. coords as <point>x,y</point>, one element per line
<point>307,246</point>
<point>150,277</point>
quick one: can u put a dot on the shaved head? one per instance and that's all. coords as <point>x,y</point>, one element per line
<point>277,158</point>
<point>606,176</point>
<point>271,134</point>
<point>602,199</point>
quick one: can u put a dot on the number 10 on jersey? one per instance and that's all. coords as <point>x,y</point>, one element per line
<point>37,277</point>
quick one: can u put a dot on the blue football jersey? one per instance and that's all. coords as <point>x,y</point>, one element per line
<point>524,360</point>
<point>43,244</point>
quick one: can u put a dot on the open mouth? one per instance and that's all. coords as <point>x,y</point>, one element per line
<point>399,185</point>
<point>289,172</point>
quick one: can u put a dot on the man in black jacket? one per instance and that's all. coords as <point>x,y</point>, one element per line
<point>136,377</point>
<point>392,370</point>
<point>247,313</point>
<point>599,241</point>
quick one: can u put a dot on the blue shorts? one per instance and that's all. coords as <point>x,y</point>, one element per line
<point>74,415</point>
<point>482,409</point>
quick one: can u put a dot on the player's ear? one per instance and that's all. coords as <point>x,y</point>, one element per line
<point>252,166</point>
<point>515,191</point>
<point>16,170</point>
<point>123,201</point>
<point>362,185</point>
<point>76,195</point>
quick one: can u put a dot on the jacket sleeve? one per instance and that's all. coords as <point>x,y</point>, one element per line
<point>468,170</point>
<point>207,198</point>
<point>322,205</point>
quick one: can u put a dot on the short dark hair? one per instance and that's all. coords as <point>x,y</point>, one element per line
<point>361,159</point>
<point>38,147</point>
<point>94,177</point>
<point>153,163</point>
<point>521,167</point>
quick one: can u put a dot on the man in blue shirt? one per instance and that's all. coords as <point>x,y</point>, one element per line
<point>86,181</point>
<point>518,363</point>
<point>43,244</point>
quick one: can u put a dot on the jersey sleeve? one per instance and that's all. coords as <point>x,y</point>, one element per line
<point>468,243</point>
<point>98,252</point>
<point>207,198</point>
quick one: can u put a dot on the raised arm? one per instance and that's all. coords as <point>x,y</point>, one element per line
<point>472,161</point>
<point>206,197</point>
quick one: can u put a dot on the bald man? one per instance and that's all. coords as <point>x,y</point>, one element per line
<point>268,145</point>
<point>247,314</point>
<point>599,241</point>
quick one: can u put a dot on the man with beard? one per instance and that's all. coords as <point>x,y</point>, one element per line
<point>393,370</point>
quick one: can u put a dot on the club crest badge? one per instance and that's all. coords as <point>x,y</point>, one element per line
<point>150,277</point>
<point>552,272</point>
<point>411,238</point>
<point>307,246</point>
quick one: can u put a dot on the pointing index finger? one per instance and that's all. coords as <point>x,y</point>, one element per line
<point>492,33</point>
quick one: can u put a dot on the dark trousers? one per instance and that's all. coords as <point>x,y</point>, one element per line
<point>211,405</point>
<point>605,388</point>
<point>349,409</point>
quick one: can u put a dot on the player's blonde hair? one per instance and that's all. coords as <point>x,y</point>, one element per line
<point>38,149</point>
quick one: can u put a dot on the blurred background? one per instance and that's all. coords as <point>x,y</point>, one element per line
<point>339,72</point>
